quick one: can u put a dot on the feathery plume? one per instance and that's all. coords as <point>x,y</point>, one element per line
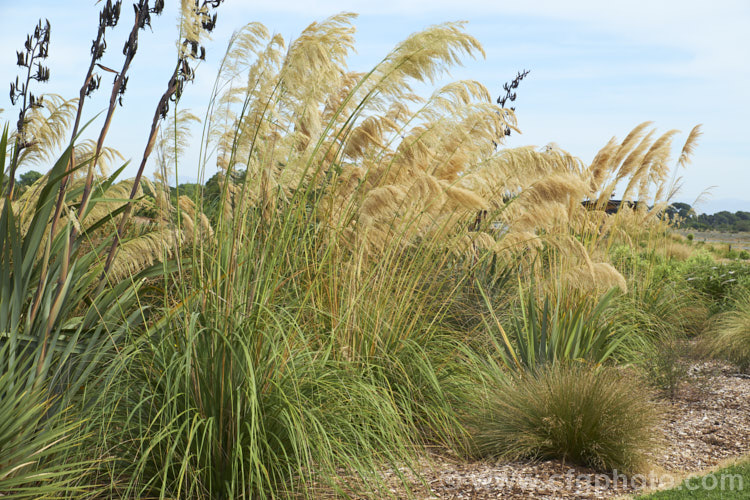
<point>689,148</point>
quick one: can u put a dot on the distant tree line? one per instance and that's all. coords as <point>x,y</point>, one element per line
<point>22,183</point>
<point>720,221</point>
<point>211,191</point>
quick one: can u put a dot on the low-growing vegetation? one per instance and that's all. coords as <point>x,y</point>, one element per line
<point>600,418</point>
<point>366,274</point>
<point>730,333</point>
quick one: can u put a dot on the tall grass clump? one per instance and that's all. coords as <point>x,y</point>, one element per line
<point>301,351</point>
<point>289,363</point>
<point>239,391</point>
<point>596,417</point>
<point>245,413</point>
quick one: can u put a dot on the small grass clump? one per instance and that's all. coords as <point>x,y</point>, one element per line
<point>730,336</point>
<point>578,413</point>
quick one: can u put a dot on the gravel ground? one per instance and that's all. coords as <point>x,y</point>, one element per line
<point>707,423</point>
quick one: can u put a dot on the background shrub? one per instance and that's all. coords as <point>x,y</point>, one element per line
<point>716,281</point>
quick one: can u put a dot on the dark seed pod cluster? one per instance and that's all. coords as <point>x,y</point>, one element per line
<point>185,73</point>
<point>36,48</point>
<point>510,94</point>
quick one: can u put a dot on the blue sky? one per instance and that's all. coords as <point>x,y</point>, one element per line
<point>597,68</point>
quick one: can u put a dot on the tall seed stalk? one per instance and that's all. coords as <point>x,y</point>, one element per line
<point>108,17</point>
<point>183,73</point>
<point>36,47</point>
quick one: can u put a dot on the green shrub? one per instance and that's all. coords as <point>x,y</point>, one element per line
<point>690,237</point>
<point>744,255</point>
<point>717,281</point>
<point>598,418</point>
<point>654,317</point>
<point>663,364</point>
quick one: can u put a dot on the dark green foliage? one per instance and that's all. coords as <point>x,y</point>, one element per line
<point>191,190</point>
<point>28,178</point>
<point>24,181</point>
<point>681,210</point>
<point>720,221</point>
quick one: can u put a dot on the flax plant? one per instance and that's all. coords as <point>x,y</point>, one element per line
<point>551,332</point>
<point>32,441</point>
<point>49,359</point>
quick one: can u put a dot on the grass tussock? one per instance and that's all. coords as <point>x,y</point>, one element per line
<point>728,336</point>
<point>201,415</point>
<point>596,417</point>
